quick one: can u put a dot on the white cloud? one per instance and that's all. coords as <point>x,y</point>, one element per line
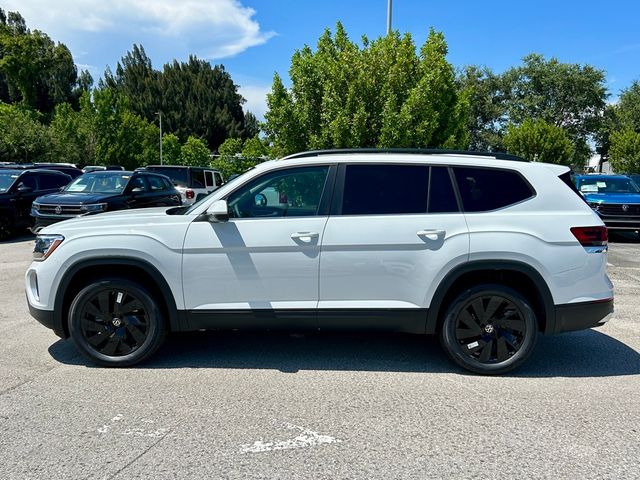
<point>216,28</point>
<point>256,96</point>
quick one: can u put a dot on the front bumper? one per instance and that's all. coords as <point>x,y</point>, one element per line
<point>47,318</point>
<point>621,222</point>
<point>582,315</point>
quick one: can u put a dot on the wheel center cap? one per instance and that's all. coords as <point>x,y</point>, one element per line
<point>489,328</point>
<point>116,322</point>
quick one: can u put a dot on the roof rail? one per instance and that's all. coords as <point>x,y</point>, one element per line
<point>421,151</point>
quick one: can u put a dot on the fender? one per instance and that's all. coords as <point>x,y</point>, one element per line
<point>58,321</point>
<point>456,273</point>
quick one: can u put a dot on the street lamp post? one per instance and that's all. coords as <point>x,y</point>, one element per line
<point>160,116</point>
<point>389,16</point>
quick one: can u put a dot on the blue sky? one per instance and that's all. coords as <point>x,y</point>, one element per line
<point>255,38</point>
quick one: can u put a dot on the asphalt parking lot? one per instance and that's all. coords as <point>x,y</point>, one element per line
<point>212,405</point>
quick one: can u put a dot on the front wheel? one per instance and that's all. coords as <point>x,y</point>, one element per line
<point>6,226</point>
<point>489,329</point>
<point>116,323</point>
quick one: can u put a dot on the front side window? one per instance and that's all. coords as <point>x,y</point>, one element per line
<point>385,189</point>
<point>218,179</point>
<point>485,189</point>
<point>28,181</point>
<point>292,192</point>
<point>209,178</point>
<point>49,182</point>
<point>156,183</point>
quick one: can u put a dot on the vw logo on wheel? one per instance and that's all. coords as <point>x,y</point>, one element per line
<point>58,210</point>
<point>625,208</point>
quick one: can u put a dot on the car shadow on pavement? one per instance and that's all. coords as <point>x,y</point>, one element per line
<point>623,237</point>
<point>579,354</point>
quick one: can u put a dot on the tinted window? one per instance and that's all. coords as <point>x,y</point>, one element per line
<point>138,184</point>
<point>285,193</point>
<point>209,177</point>
<point>484,189</point>
<point>28,181</point>
<point>167,184</point>
<point>50,182</point>
<point>384,189</point>
<point>218,179</point>
<point>197,178</point>
<point>442,198</point>
<point>178,175</point>
<point>155,183</point>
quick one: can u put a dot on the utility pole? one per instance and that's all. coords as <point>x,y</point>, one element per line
<point>389,16</point>
<point>160,115</point>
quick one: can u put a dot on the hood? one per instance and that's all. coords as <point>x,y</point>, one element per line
<point>66,198</point>
<point>629,198</point>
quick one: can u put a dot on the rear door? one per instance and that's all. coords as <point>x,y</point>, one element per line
<point>393,230</point>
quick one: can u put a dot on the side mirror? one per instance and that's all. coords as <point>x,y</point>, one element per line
<point>218,211</point>
<point>25,189</point>
<point>137,190</point>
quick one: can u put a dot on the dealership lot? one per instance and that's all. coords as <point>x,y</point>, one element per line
<point>212,405</point>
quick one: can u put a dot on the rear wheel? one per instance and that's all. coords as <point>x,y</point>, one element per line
<point>116,323</point>
<point>489,329</point>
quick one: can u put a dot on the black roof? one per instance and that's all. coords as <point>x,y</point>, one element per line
<point>406,151</point>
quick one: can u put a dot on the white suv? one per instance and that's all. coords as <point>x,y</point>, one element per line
<point>485,250</point>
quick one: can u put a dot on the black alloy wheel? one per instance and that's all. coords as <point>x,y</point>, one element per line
<point>489,329</point>
<point>115,322</point>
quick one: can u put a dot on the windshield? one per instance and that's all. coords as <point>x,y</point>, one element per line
<point>607,185</point>
<point>6,180</point>
<point>99,183</point>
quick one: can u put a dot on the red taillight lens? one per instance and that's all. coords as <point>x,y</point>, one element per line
<point>190,194</point>
<point>590,236</point>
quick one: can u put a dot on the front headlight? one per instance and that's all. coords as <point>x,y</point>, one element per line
<point>45,245</point>
<point>93,208</point>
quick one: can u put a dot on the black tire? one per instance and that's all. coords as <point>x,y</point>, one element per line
<point>116,323</point>
<point>489,329</point>
<point>6,226</point>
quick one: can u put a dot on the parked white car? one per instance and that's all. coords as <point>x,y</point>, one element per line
<point>191,182</point>
<point>484,250</point>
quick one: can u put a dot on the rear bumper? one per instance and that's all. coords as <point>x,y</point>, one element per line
<point>582,315</point>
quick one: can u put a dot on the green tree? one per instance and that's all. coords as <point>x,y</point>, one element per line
<point>73,133</point>
<point>569,96</point>
<point>539,141</point>
<point>624,154</point>
<point>34,70</point>
<point>23,138</point>
<point>195,152</point>
<point>389,96</point>
<point>237,157</point>
<point>171,149</point>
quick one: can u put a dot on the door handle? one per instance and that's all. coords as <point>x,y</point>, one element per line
<point>432,233</point>
<point>305,236</point>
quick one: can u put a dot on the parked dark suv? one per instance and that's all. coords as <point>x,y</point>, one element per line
<point>18,189</point>
<point>103,191</point>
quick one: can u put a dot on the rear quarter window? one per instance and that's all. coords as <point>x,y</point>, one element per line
<point>485,189</point>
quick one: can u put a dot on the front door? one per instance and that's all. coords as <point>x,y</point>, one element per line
<point>261,267</point>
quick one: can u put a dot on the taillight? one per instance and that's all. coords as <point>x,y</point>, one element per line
<point>591,236</point>
<point>190,194</point>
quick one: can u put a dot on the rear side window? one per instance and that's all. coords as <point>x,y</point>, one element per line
<point>197,178</point>
<point>484,189</point>
<point>209,177</point>
<point>218,179</point>
<point>385,189</point>
<point>442,198</point>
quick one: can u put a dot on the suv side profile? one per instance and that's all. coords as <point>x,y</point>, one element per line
<point>484,250</point>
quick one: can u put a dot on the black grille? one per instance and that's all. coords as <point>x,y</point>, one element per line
<point>619,209</point>
<point>63,209</point>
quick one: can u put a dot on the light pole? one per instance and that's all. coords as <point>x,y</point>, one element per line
<point>389,16</point>
<point>160,116</point>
